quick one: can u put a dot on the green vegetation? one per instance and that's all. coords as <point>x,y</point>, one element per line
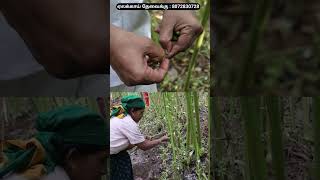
<point>198,44</point>
<point>184,118</point>
<point>274,118</point>
<point>245,75</point>
<point>265,138</point>
<point>250,108</point>
<point>190,69</point>
<point>266,47</point>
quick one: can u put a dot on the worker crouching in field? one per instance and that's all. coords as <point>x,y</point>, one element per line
<point>125,134</point>
<point>71,144</point>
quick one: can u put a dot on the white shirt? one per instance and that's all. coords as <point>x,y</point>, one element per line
<point>15,58</point>
<point>137,21</point>
<point>122,133</point>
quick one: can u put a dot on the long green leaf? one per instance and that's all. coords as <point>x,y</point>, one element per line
<point>199,42</point>
<point>189,119</point>
<point>250,109</point>
<point>245,76</point>
<point>276,137</point>
<point>197,118</point>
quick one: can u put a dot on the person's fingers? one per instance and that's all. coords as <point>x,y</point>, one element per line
<point>174,51</point>
<point>154,51</point>
<point>157,30</point>
<point>182,44</point>
<point>157,75</point>
<point>166,31</point>
<point>169,45</point>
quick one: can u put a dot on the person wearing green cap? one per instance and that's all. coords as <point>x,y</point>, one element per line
<point>125,134</point>
<point>71,144</point>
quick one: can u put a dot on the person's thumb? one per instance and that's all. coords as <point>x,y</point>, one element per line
<point>157,75</point>
<point>155,53</point>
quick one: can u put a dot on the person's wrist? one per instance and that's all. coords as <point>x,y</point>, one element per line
<point>113,40</point>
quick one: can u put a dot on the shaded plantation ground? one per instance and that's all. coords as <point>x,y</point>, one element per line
<point>297,141</point>
<point>157,163</point>
<point>286,61</point>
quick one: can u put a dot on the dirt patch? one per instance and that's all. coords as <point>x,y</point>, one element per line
<point>146,164</point>
<point>149,165</point>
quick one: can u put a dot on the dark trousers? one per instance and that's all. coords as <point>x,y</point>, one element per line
<point>121,167</point>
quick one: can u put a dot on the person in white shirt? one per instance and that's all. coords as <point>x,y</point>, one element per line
<point>125,134</point>
<point>130,42</point>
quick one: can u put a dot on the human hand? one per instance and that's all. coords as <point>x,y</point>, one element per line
<point>164,138</point>
<point>67,45</point>
<point>148,137</point>
<point>130,55</point>
<point>183,22</point>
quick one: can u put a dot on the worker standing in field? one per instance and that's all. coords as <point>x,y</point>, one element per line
<point>71,144</point>
<point>125,134</point>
